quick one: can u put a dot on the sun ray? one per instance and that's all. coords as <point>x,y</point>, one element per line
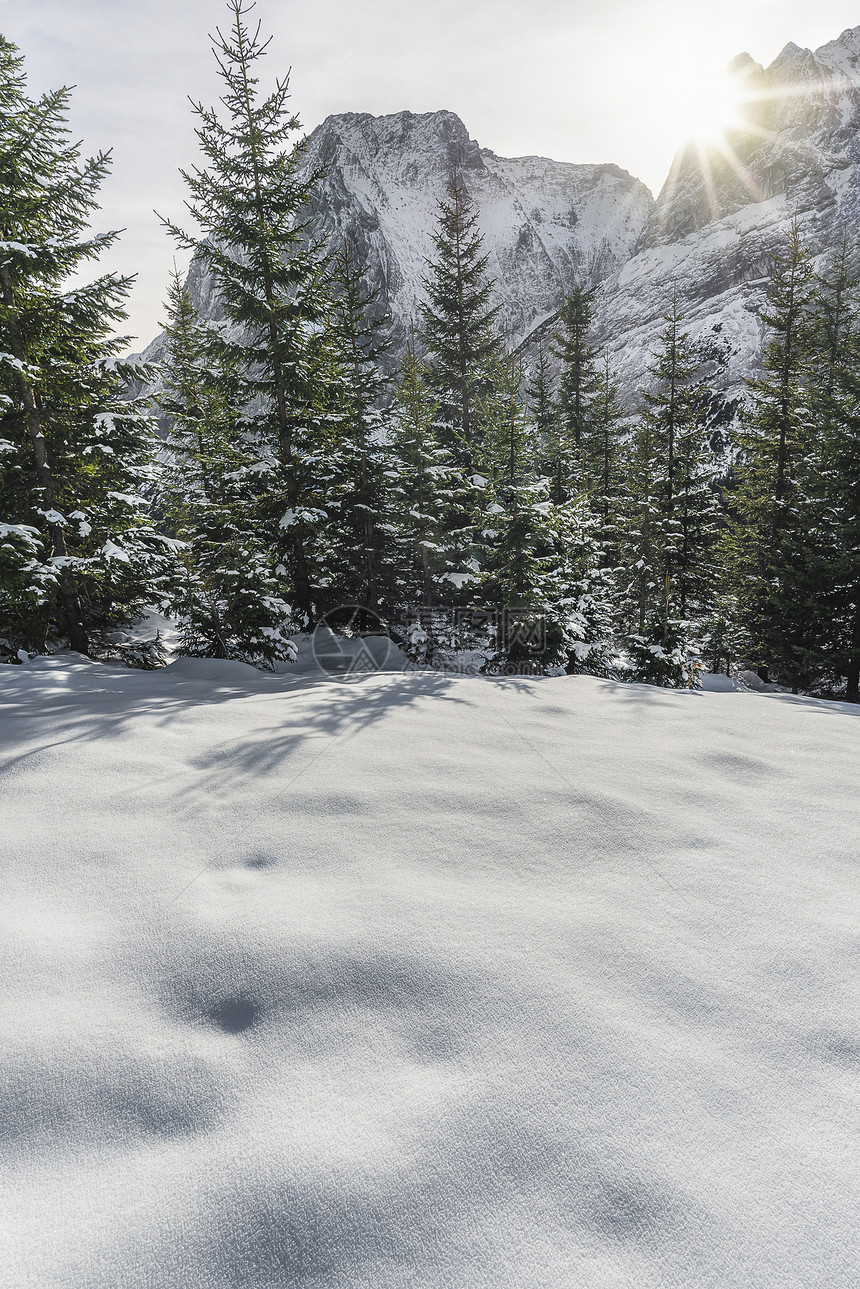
<point>743,172</point>
<point>708,178</point>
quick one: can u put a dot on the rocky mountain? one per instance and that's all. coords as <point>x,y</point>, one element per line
<point>546,223</point>
<point>709,237</point>
<point>724,210</point>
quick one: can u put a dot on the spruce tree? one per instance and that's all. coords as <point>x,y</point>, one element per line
<point>249,200</point>
<point>606,501</point>
<point>226,597</point>
<point>669,528</point>
<point>586,600</point>
<point>540,561</point>
<point>423,490</point>
<point>769,545</point>
<point>681,475</point>
<point>459,321</point>
<point>542,407</point>
<point>833,456</point>
<point>642,569</point>
<point>696,521</point>
<point>513,528</point>
<point>79,554</point>
<point>575,465</point>
<point>357,557</point>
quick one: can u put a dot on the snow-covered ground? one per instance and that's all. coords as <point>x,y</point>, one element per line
<point>425,981</point>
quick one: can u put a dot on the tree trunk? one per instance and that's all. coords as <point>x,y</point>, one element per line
<point>853,670</point>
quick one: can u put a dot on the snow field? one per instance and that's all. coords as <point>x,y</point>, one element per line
<point>425,981</point>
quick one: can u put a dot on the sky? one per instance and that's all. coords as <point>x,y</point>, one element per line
<point>615,81</point>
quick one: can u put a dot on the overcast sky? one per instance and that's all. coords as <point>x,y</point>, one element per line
<point>603,80</point>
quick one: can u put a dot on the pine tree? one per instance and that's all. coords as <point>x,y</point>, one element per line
<point>227,596</point>
<point>358,560</point>
<point>575,464</point>
<point>79,554</point>
<point>683,529</point>
<point>586,600</point>
<point>249,201</point>
<point>670,525</point>
<point>642,568</point>
<point>513,527</point>
<point>767,544</point>
<point>606,499</point>
<point>423,489</point>
<point>542,407</point>
<point>697,520</point>
<point>834,460</point>
<point>540,561</point>
<point>459,321</point>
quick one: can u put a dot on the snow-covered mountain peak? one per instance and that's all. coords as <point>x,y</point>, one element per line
<point>724,210</point>
<point>438,139</point>
<point>842,56</point>
<point>546,223</point>
<point>803,109</point>
<point>709,237</point>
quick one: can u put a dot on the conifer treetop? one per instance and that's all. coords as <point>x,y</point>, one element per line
<point>459,317</point>
<point>249,199</point>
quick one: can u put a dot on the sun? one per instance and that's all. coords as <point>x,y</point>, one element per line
<point>712,108</point>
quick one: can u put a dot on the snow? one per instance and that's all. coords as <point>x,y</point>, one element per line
<point>53,516</point>
<point>425,981</point>
<point>11,361</point>
<point>150,626</point>
<point>710,236</point>
<point>713,683</point>
<point>110,550</point>
<point>28,249</point>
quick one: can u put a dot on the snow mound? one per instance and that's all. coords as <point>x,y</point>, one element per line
<point>424,980</point>
<point>215,671</point>
<point>714,683</point>
<point>323,653</point>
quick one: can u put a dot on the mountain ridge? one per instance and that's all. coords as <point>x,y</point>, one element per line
<point>708,237</point>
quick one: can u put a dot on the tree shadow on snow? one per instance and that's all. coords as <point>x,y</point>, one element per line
<point>68,702</point>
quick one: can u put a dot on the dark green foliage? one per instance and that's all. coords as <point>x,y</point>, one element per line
<point>684,478</point>
<point>78,555</point>
<point>539,559</point>
<point>608,438</point>
<point>672,518</point>
<point>249,201</point>
<point>642,584</point>
<point>227,596</point>
<point>835,482</point>
<point>574,459</point>
<point>513,514</point>
<point>666,546</point>
<point>542,403</point>
<point>353,545</point>
<point>424,490</point>
<point>770,544</point>
<point>459,321</point>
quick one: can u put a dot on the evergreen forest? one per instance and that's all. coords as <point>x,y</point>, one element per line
<point>498,504</point>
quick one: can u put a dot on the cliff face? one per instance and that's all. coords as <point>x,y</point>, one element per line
<point>546,223</point>
<point>723,212</point>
